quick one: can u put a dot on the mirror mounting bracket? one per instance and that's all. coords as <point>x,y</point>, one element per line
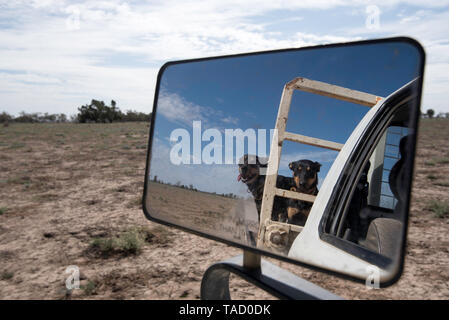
<point>261,273</point>
<point>251,260</point>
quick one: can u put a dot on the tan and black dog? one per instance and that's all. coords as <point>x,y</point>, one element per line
<point>305,176</point>
<point>249,169</point>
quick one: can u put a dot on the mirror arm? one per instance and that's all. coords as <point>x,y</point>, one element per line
<point>267,276</point>
<point>251,260</point>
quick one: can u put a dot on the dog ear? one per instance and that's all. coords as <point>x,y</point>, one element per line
<point>317,166</point>
<point>291,165</point>
<point>260,164</point>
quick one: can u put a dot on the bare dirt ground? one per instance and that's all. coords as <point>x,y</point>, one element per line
<point>70,195</point>
<point>225,217</point>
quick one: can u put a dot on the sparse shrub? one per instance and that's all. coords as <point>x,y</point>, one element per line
<point>128,242</point>
<point>20,180</point>
<point>46,197</point>
<point>442,160</point>
<point>6,275</point>
<point>3,210</point>
<point>104,245</point>
<point>89,288</point>
<point>5,117</point>
<point>131,241</point>
<point>439,208</point>
<point>17,145</point>
<point>442,184</point>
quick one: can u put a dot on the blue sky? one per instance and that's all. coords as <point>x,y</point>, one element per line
<point>244,92</point>
<point>57,55</point>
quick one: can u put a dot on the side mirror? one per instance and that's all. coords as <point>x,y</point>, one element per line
<point>305,155</point>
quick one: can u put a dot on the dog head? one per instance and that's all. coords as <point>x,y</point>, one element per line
<point>249,168</point>
<point>305,173</point>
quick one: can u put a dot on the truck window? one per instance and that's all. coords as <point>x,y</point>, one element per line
<point>374,199</point>
<point>382,160</point>
<point>367,212</point>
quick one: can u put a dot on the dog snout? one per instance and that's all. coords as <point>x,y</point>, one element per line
<point>302,179</point>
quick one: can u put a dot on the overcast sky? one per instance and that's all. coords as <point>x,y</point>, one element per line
<point>58,55</point>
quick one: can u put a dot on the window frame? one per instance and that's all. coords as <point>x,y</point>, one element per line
<point>339,200</point>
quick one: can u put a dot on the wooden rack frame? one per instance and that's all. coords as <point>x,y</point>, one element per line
<point>270,190</point>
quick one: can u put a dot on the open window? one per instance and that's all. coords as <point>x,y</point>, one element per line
<point>368,219</point>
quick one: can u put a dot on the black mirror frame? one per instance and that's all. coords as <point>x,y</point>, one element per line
<point>147,214</point>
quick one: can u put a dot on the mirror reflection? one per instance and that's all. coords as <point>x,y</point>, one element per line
<point>295,152</point>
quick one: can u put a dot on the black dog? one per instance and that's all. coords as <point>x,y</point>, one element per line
<point>305,176</point>
<point>249,169</point>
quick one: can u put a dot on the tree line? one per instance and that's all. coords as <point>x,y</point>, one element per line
<point>430,114</point>
<point>37,117</point>
<point>95,112</point>
<point>192,188</point>
<point>98,112</point>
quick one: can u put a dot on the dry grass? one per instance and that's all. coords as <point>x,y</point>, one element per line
<point>439,208</point>
<point>128,242</point>
<point>6,275</point>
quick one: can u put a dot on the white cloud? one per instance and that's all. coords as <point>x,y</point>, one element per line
<point>38,42</point>
<point>230,120</point>
<point>118,47</point>
<point>177,109</point>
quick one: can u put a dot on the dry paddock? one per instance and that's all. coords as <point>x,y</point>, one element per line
<point>70,195</point>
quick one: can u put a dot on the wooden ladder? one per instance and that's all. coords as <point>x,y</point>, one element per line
<point>270,189</point>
